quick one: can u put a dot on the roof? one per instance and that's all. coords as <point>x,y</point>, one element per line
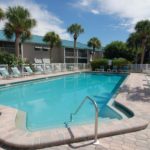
<point>39,40</point>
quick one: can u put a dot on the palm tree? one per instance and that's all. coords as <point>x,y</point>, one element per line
<point>19,23</point>
<point>142,28</point>
<point>94,43</point>
<point>134,43</point>
<point>52,39</point>
<point>1,14</point>
<point>75,30</point>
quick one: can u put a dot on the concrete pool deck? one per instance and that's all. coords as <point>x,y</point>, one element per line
<point>132,95</point>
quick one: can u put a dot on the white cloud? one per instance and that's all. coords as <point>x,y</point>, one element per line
<point>94,11</point>
<point>129,11</point>
<point>46,21</point>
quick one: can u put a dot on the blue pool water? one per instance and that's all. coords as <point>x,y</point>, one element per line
<point>49,102</point>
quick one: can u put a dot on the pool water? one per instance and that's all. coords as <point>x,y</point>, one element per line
<point>49,102</point>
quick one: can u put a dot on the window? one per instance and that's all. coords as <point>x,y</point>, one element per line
<point>69,52</point>
<point>82,53</point>
<point>82,60</point>
<point>69,60</point>
<point>37,48</point>
<point>46,48</point>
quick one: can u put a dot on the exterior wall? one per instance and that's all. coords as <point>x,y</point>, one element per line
<point>30,53</point>
<point>98,55</point>
<point>59,55</point>
<point>81,55</point>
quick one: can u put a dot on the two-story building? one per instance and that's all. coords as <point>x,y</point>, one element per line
<point>37,48</point>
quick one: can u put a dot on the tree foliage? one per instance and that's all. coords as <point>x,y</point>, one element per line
<point>117,49</point>
<point>94,43</point>
<point>2,15</point>
<point>18,24</point>
<point>140,40</point>
<point>120,62</point>
<point>75,30</point>
<point>99,62</point>
<point>52,39</point>
<point>10,59</point>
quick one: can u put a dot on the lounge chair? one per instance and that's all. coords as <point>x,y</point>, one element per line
<point>16,72</point>
<point>63,66</point>
<point>125,69</point>
<point>37,61</point>
<point>101,69</point>
<point>57,67</point>
<point>39,69</point>
<point>29,70</point>
<point>114,69</point>
<point>4,73</point>
<point>46,61</point>
<point>48,69</point>
<point>69,67</point>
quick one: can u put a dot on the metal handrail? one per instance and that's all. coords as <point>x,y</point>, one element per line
<point>96,115</point>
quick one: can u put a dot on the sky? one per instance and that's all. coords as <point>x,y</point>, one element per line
<point>108,20</point>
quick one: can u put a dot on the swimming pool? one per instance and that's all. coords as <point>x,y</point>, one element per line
<point>49,102</point>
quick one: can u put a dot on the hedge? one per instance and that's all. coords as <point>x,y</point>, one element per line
<point>120,62</point>
<point>95,64</point>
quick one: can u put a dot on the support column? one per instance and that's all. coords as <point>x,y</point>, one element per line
<point>64,55</point>
<point>77,56</point>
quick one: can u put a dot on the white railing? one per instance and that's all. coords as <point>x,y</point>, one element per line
<point>87,98</point>
<point>139,68</point>
<point>61,67</point>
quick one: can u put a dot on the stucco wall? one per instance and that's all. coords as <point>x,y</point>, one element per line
<point>30,53</point>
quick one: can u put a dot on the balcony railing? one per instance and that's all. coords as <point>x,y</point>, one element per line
<point>71,54</point>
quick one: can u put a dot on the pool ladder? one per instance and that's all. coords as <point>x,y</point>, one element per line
<point>96,116</point>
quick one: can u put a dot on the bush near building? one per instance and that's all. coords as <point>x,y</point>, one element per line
<point>95,64</point>
<point>119,62</point>
<point>9,59</point>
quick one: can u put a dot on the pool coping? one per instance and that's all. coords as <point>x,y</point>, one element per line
<point>13,81</point>
<point>16,136</point>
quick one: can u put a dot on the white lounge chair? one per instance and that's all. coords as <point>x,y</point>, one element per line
<point>46,61</point>
<point>16,72</point>
<point>48,69</point>
<point>37,61</point>
<point>114,69</point>
<point>4,73</point>
<point>101,69</point>
<point>39,69</point>
<point>29,70</point>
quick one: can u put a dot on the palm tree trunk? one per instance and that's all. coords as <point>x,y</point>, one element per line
<point>143,52</point>
<point>75,42</point>
<point>17,40</point>
<point>136,58</point>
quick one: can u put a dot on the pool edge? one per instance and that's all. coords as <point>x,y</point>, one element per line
<point>25,139</point>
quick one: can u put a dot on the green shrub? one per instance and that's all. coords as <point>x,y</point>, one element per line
<point>120,62</point>
<point>118,49</point>
<point>10,59</point>
<point>95,64</point>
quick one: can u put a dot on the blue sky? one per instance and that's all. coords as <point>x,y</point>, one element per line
<point>108,20</point>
